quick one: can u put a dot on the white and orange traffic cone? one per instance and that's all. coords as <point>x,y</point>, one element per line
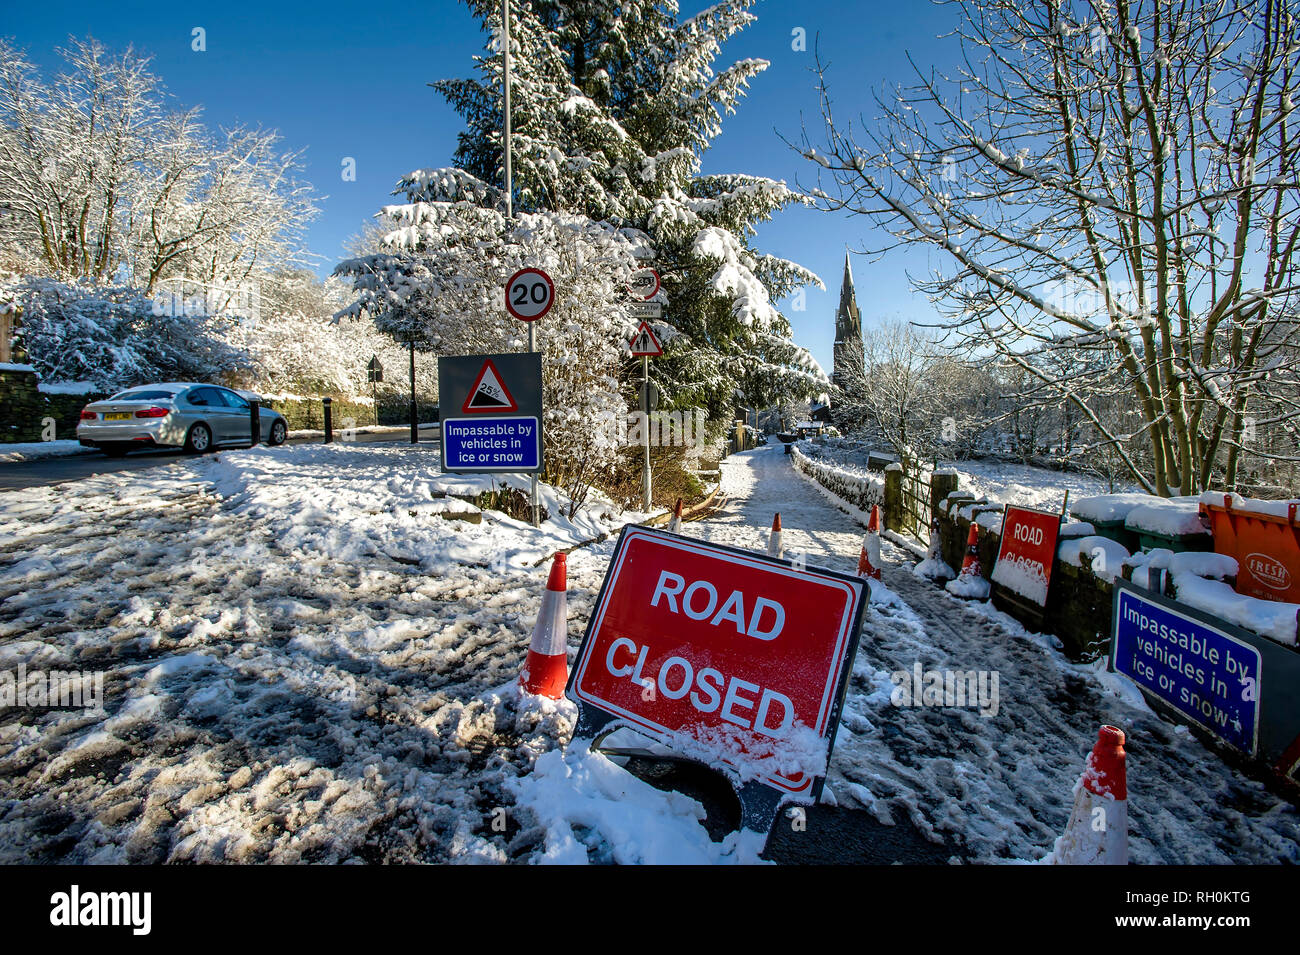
<point>970,564</point>
<point>936,542</point>
<point>970,583</point>
<point>869,558</point>
<point>1097,833</point>
<point>675,522</point>
<point>774,548</point>
<point>546,670</point>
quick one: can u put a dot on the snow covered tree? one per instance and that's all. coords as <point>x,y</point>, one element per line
<point>439,279</point>
<point>99,180</point>
<point>1113,182</point>
<point>614,102</point>
<point>113,337</point>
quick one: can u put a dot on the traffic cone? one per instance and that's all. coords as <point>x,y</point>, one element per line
<point>970,583</point>
<point>936,542</point>
<point>675,523</point>
<point>1097,833</point>
<point>970,565</point>
<point>547,668</point>
<point>869,558</point>
<point>774,548</point>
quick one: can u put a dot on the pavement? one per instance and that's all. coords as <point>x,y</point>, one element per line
<point>60,470</point>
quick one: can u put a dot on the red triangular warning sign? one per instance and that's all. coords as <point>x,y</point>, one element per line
<point>645,343</point>
<point>489,393</point>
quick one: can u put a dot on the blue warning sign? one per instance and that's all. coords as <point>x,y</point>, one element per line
<point>491,444</point>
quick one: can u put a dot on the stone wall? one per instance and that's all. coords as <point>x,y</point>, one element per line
<point>1079,602</point>
<point>308,413</point>
<point>24,409</point>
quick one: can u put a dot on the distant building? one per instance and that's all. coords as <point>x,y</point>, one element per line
<point>849,363</point>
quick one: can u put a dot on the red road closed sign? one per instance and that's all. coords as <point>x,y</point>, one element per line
<point>1027,552</point>
<point>723,654</point>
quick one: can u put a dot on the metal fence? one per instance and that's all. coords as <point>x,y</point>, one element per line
<point>915,487</point>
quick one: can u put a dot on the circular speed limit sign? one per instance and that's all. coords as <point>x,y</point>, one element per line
<point>530,293</point>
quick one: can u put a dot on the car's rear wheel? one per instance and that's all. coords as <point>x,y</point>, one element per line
<point>278,433</point>
<point>199,440</point>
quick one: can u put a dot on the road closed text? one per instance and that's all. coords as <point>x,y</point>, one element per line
<point>737,701</point>
<point>699,601</point>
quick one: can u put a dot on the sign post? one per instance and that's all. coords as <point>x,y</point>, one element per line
<point>733,658</point>
<point>415,409</point>
<point>530,293</point>
<point>491,412</point>
<point>375,372</point>
<point>645,344</point>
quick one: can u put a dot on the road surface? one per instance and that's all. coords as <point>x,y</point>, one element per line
<point>60,470</point>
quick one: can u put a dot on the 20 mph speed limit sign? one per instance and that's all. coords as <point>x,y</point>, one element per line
<point>530,293</point>
<point>732,658</point>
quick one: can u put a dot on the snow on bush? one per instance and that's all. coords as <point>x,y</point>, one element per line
<point>440,277</point>
<point>858,490</point>
<point>108,336</point>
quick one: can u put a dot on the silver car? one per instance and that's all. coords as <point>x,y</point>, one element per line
<point>196,417</point>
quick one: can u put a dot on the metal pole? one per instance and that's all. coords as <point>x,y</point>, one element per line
<point>532,484</point>
<point>415,414</point>
<point>645,432</point>
<point>329,420</point>
<point>510,205</point>
<point>505,79</point>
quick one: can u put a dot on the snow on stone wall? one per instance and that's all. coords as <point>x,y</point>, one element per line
<point>855,489</point>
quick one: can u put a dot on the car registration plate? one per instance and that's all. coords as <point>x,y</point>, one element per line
<point>118,416</point>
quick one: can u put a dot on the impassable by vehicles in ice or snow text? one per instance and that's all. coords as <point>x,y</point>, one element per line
<point>194,416</point>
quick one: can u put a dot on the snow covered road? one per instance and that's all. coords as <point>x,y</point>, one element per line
<point>293,643</point>
<point>1000,786</point>
<point>304,661</point>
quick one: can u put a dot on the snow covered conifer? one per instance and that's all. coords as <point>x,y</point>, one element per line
<point>613,104</point>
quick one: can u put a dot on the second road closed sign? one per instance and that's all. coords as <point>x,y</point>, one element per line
<point>723,653</point>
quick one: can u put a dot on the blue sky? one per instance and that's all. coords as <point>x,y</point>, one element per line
<point>346,79</point>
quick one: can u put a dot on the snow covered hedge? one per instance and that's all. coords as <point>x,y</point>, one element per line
<point>856,489</point>
<point>109,336</point>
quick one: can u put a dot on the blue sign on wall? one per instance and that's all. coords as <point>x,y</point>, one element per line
<point>505,443</point>
<point>1207,675</point>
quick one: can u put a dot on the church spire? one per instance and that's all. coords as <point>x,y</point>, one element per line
<point>846,318</point>
<point>848,323</point>
<point>849,360</point>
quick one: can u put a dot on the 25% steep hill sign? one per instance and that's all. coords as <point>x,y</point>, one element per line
<point>734,659</point>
